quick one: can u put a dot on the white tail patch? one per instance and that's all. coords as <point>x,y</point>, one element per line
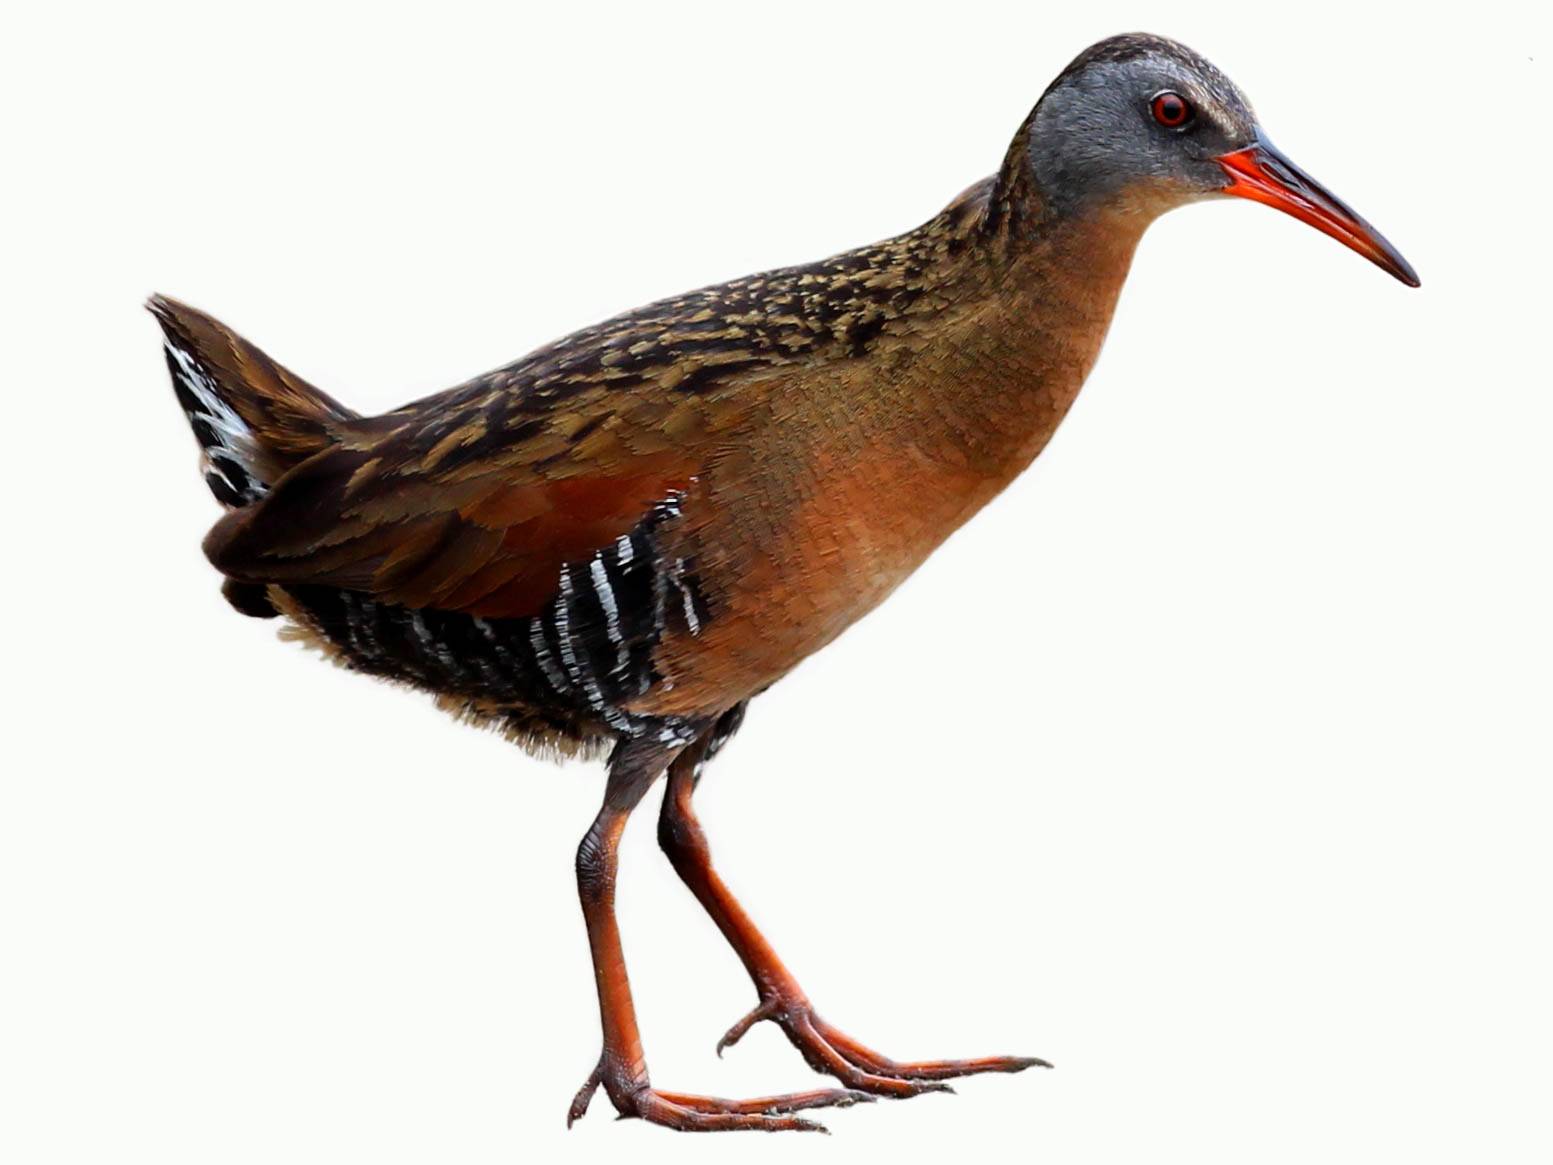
<point>231,451</point>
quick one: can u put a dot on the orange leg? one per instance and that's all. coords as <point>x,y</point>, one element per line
<point>782,1000</point>
<point>622,1068</point>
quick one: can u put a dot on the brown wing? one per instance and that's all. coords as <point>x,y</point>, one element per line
<point>467,508</point>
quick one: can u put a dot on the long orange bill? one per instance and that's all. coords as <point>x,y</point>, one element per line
<point>1261,173</point>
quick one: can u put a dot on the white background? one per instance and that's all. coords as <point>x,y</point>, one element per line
<point>1233,801</point>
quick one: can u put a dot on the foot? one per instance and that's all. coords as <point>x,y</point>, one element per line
<point>632,1096</point>
<point>861,1068</point>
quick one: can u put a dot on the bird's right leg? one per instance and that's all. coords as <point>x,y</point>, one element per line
<point>782,1000</point>
<point>622,1067</point>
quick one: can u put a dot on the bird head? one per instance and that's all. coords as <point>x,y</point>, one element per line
<point>1144,124</point>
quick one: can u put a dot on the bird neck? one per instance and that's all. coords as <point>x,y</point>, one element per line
<point>1026,309</point>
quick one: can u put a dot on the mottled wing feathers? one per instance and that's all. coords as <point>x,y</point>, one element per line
<point>488,536</point>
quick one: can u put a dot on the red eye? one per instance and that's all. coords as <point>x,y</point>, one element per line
<point>1171,110</point>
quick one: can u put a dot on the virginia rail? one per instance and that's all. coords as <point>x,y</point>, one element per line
<point>618,540</point>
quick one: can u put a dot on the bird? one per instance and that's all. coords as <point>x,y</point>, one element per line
<point>608,547</point>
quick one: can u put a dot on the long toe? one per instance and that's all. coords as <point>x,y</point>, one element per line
<point>703,1114</point>
<point>830,1050</point>
<point>825,1057</point>
<point>790,1102</point>
<point>687,1112</point>
<point>873,1061</point>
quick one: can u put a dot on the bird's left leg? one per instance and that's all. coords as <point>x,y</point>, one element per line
<point>782,1000</point>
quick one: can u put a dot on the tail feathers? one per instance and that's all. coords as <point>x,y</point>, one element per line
<point>254,420</point>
